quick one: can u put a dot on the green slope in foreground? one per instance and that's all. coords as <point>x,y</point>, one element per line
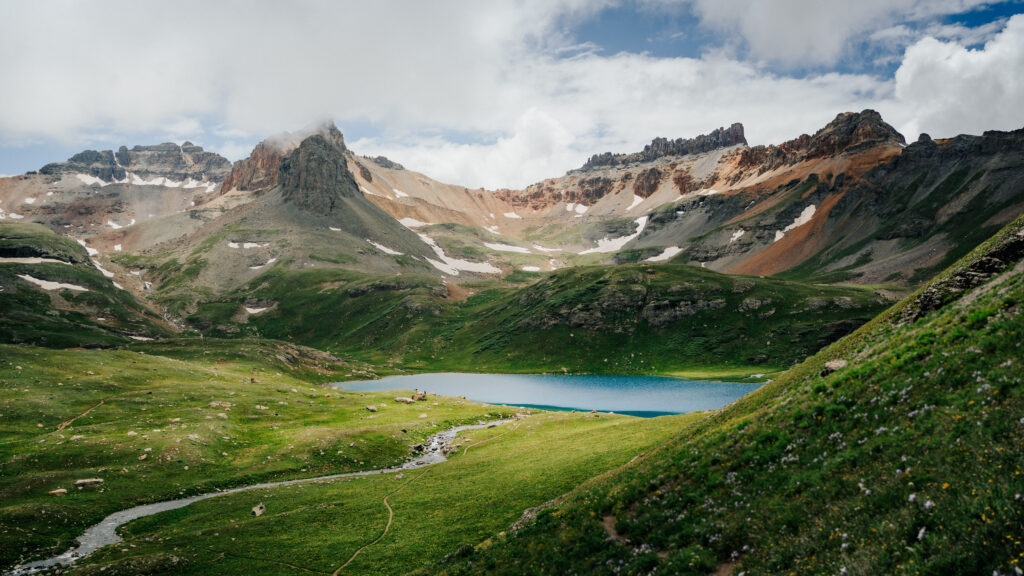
<point>907,460</point>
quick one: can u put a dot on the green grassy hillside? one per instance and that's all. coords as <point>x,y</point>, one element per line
<point>626,319</point>
<point>897,450</point>
<point>93,312</point>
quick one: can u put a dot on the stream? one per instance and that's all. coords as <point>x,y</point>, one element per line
<point>105,532</point>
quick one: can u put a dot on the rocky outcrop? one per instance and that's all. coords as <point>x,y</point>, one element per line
<point>257,172</point>
<point>384,162</point>
<point>168,160</point>
<point>849,132</point>
<point>315,176</point>
<point>1005,251</point>
<point>663,147</point>
<point>647,182</point>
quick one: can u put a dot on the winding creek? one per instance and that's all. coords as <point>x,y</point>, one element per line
<point>105,532</point>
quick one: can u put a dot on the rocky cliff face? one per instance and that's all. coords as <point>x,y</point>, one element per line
<point>315,176</point>
<point>663,147</point>
<point>260,170</point>
<point>849,132</point>
<point>168,160</point>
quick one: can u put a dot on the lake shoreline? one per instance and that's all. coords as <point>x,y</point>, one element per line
<point>638,395</point>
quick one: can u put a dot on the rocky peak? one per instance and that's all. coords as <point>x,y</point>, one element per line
<point>168,160</point>
<point>315,175</point>
<point>261,170</point>
<point>385,162</point>
<point>663,147</point>
<point>852,130</point>
<point>257,172</point>
<point>848,132</point>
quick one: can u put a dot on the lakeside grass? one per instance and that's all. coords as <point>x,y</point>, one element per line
<point>494,475</point>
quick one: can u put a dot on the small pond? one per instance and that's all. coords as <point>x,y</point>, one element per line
<point>635,395</point>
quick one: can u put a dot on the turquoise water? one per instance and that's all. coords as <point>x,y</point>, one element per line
<point>636,395</point>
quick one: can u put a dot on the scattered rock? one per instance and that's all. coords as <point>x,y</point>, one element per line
<point>143,457</point>
<point>58,492</point>
<point>261,407</point>
<point>259,509</point>
<point>833,365</point>
<point>88,482</point>
<point>77,437</point>
<point>419,396</point>
<point>371,408</point>
<point>404,400</point>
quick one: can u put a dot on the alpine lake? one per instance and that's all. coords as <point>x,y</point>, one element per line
<point>645,396</point>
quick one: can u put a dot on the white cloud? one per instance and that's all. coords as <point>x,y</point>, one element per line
<point>232,150</point>
<point>593,104</point>
<point>814,32</point>
<point>946,89</point>
<point>495,73</point>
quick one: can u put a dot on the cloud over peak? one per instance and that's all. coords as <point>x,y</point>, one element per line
<point>494,94</point>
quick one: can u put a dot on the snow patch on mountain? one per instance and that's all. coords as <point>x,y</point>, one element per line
<point>605,245</point>
<point>48,285</point>
<point>384,248</point>
<point>412,223</point>
<point>507,248</point>
<point>665,255</point>
<point>636,202</point>
<point>452,266</point>
<point>800,220</point>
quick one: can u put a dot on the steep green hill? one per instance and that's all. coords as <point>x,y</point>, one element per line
<point>897,450</point>
<point>52,295</point>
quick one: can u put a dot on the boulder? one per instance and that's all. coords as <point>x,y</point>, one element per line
<point>404,400</point>
<point>58,492</point>
<point>259,509</point>
<point>371,408</point>
<point>419,396</point>
<point>833,365</point>
<point>88,482</point>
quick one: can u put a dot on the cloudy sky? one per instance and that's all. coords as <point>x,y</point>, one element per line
<point>496,93</point>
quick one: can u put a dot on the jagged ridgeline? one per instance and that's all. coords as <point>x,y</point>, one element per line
<point>662,147</point>
<point>894,451</point>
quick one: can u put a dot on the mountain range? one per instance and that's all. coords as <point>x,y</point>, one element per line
<point>199,240</point>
